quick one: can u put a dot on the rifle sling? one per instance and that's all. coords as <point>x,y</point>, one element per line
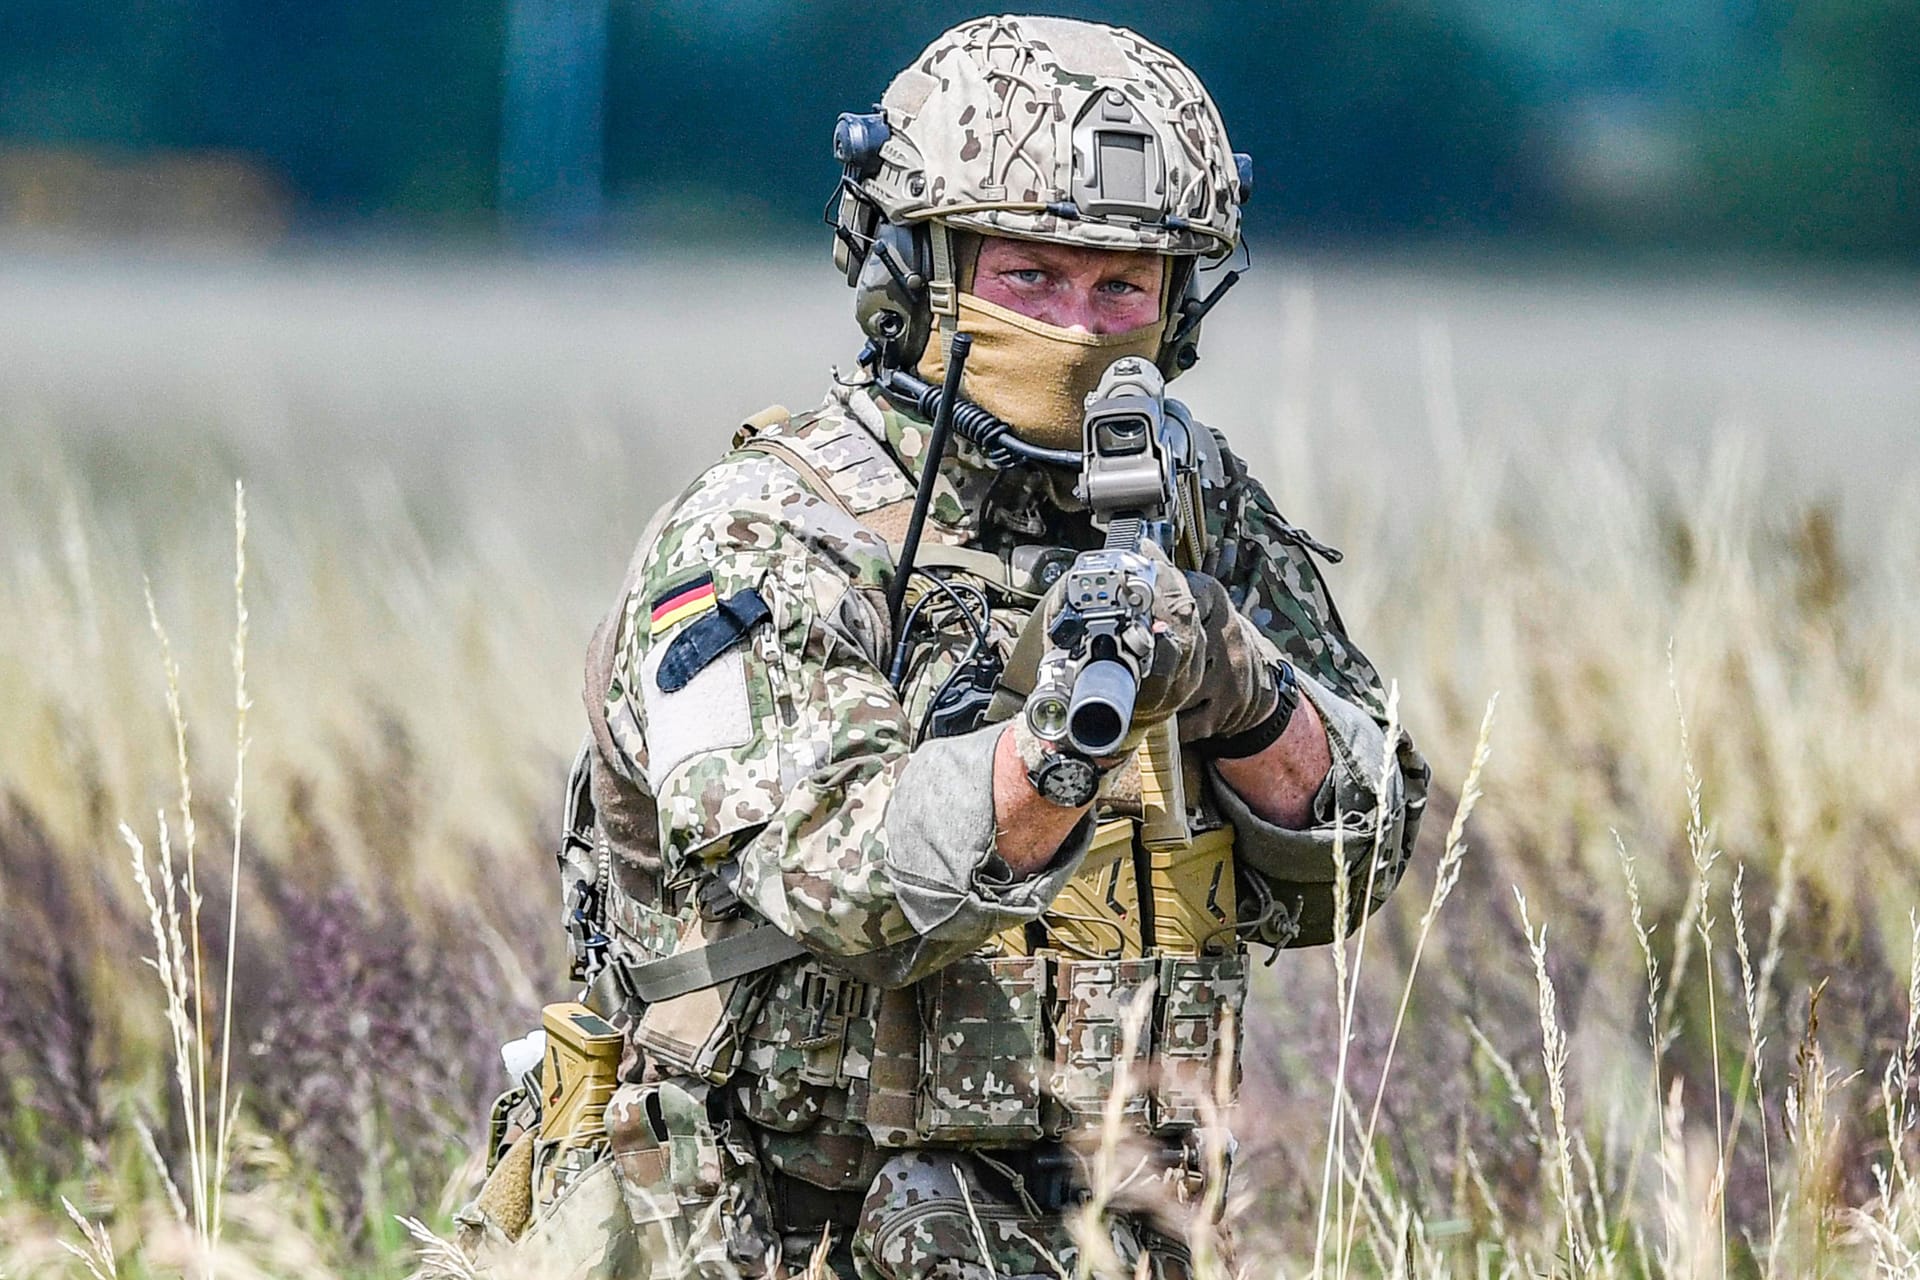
<point>708,966</point>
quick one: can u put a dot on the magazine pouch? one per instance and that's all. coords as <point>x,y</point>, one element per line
<point>982,1050</point>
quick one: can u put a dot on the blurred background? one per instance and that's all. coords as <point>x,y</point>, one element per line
<point>1711,126</point>
<point>350,223</point>
<point>1591,333</point>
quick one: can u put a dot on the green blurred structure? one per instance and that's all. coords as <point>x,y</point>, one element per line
<point>1771,125</point>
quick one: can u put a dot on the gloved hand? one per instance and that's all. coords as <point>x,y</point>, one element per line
<point>1172,671</point>
<point>1238,688</point>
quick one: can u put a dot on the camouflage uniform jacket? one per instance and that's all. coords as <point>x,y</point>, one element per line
<point>747,735</point>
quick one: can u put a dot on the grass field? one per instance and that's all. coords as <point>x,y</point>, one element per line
<point>1614,502</point>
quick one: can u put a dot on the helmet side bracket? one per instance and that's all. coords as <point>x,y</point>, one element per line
<point>853,214</point>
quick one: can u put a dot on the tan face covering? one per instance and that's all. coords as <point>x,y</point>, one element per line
<point>1035,376</point>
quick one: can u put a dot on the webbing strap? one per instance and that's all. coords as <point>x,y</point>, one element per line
<point>888,520</point>
<point>981,564</point>
<point>718,961</point>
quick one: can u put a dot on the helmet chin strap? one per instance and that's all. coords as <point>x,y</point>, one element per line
<point>944,289</point>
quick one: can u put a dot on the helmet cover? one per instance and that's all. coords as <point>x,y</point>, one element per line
<point>1060,130</point>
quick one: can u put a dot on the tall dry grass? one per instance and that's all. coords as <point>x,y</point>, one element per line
<point>1582,1039</point>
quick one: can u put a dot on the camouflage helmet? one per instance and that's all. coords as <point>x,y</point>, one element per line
<point>1037,128</point>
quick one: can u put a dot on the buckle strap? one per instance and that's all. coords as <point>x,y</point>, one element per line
<point>708,966</point>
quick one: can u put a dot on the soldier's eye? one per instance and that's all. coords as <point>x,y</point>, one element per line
<point>1028,275</point>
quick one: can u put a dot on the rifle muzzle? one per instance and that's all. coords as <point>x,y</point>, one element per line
<point>1101,709</point>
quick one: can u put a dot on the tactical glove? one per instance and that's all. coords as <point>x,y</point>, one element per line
<point>1240,689</point>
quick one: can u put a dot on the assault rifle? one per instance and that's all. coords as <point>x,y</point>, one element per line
<point>1137,477</point>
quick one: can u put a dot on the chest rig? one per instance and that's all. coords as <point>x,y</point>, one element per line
<point>1025,1039</point>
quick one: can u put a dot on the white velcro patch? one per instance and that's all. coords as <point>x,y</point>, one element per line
<point>709,713</point>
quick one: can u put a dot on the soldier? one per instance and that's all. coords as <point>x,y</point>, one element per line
<point>870,943</point>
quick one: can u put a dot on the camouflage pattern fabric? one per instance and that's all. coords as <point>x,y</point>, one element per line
<point>981,1020</point>
<point>773,770</point>
<point>586,1234</point>
<point>691,1191</point>
<point>984,124</point>
<point>1095,996</point>
<point>931,1214</point>
<point>784,763</point>
<point>1201,994</point>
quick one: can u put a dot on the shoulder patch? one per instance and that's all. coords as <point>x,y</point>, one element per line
<point>725,625</point>
<point>711,712</point>
<point>681,601</point>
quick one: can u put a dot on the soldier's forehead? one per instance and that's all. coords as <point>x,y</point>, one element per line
<point>1074,255</point>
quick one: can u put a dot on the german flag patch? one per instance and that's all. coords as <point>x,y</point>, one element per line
<point>678,603</point>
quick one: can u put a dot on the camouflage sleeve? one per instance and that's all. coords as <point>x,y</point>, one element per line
<point>1373,796</point>
<point>778,752</point>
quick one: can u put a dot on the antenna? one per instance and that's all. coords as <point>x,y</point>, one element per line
<point>929,469</point>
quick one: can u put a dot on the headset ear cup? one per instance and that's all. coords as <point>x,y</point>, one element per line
<point>919,251</point>
<point>890,298</point>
